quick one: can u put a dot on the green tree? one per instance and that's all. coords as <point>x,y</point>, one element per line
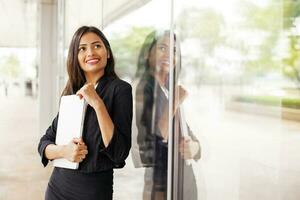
<point>10,67</point>
<point>126,49</point>
<point>291,10</point>
<point>266,20</point>
<point>204,25</point>
<point>291,64</point>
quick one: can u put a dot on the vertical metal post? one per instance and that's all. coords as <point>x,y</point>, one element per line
<point>170,188</point>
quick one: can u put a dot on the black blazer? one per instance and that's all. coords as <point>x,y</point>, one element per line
<point>117,97</point>
<point>151,102</point>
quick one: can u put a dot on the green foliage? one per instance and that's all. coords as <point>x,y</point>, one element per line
<point>291,10</point>
<point>204,25</point>
<point>291,64</point>
<point>270,101</point>
<point>126,48</point>
<point>263,18</point>
<point>213,30</point>
<point>210,28</point>
<point>10,67</point>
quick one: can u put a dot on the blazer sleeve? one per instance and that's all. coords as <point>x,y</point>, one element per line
<point>146,140</point>
<point>120,144</point>
<point>48,138</point>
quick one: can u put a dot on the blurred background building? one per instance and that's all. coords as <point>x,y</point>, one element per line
<point>240,66</point>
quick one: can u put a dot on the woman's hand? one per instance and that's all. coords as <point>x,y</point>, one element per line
<point>188,148</point>
<point>180,95</point>
<point>75,151</point>
<point>89,93</point>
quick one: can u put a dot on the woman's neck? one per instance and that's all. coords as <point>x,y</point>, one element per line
<point>93,77</point>
<point>161,78</point>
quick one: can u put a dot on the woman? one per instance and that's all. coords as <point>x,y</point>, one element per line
<point>152,112</point>
<point>106,138</point>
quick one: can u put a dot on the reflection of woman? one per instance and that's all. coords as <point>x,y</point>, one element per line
<point>106,138</point>
<point>152,110</point>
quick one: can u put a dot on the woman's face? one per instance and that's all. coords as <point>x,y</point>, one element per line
<point>159,57</point>
<point>92,54</point>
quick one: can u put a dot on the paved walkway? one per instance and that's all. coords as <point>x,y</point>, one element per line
<point>244,156</point>
<point>22,176</point>
<point>21,173</point>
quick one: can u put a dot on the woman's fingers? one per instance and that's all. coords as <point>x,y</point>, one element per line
<point>78,141</point>
<point>185,149</point>
<point>80,95</point>
<point>83,152</point>
<point>81,156</point>
<point>77,150</point>
<point>87,89</point>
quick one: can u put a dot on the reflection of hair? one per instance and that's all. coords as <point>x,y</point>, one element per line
<point>150,41</point>
<point>76,74</point>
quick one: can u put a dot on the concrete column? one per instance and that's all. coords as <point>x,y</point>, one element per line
<point>47,56</point>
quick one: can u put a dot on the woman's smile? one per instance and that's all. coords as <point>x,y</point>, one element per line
<point>92,61</point>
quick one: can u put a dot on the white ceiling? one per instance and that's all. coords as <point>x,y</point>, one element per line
<point>18,18</point>
<point>18,23</point>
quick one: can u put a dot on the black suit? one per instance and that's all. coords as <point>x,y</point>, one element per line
<point>95,174</point>
<point>151,103</point>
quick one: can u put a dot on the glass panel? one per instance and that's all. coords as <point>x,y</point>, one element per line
<point>140,47</point>
<point>238,66</point>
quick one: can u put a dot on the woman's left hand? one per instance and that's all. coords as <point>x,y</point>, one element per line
<point>89,93</point>
<point>188,148</point>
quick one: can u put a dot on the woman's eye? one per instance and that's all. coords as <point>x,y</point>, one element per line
<point>162,48</point>
<point>81,49</point>
<point>97,46</point>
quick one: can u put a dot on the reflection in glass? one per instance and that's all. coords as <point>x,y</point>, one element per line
<point>152,112</point>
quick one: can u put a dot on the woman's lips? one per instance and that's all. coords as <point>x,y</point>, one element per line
<point>164,62</point>
<point>92,61</point>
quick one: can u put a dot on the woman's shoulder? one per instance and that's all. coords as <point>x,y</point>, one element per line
<point>146,82</point>
<point>120,85</point>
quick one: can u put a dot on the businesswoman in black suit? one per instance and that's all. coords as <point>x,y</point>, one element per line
<point>106,138</point>
<point>152,111</point>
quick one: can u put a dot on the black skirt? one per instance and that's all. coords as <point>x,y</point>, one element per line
<point>66,184</point>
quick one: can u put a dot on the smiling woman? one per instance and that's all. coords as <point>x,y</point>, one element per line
<point>92,56</point>
<point>106,138</point>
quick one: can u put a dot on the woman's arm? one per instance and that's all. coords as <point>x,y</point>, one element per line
<point>115,129</point>
<point>106,125</point>
<point>75,151</point>
<point>53,151</point>
<point>47,139</point>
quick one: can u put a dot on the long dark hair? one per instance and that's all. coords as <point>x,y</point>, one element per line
<point>76,78</point>
<point>143,66</point>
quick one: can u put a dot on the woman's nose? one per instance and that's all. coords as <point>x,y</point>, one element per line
<point>90,51</point>
<point>166,54</point>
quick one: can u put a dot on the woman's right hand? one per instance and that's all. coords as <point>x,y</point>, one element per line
<point>75,151</point>
<point>180,95</point>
